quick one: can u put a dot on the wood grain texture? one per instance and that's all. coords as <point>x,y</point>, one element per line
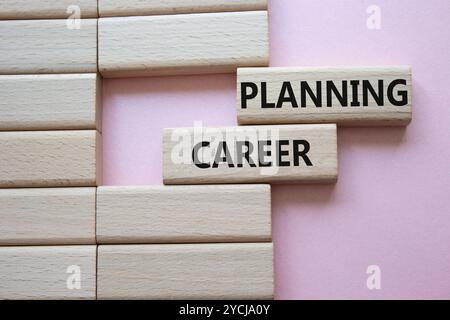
<point>164,214</point>
<point>41,273</point>
<point>50,102</point>
<point>47,216</point>
<point>186,271</point>
<point>50,158</point>
<point>288,153</point>
<point>47,46</point>
<point>113,8</point>
<point>182,44</point>
<point>45,9</point>
<point>271,110</point>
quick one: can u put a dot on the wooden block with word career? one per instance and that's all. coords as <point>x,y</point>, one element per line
<point>50,158</point>
<point>182,44</point>
<point>47,46</point>
<point>47,9</point>
<point>49,102</point>
<point>186,271</point>
<point>54,272</point>
<point>288,153</point>
<point>163,214</point>
<point>112,8</point>
<point>47,216</point>
<point>347,96</point>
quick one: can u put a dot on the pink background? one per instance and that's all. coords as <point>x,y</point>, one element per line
<point>391,206</point>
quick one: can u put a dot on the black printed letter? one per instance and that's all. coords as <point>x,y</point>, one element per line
<point>298,153</point>
<point>195,159</point>
<point>245,96</point>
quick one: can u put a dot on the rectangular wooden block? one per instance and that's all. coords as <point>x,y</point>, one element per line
<point>182,44</point>
<point>186,271</point>
<point>288,153</point>
<point>46,9</point>
<point>50,158</point>
<point>47,46</point>
<point>49,102</point>
<point>53,272</point>
<point>343,95</point>
<point>112,8</point>
<point>47,216</point>
<point>164,214</point>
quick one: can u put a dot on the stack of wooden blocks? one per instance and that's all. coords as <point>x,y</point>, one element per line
<point>62,237</point>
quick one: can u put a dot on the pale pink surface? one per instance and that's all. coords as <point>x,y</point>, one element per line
<point>391,206</point>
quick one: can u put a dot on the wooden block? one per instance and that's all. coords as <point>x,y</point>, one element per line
<point>186,271</point>
<point>47,46</point>
<point>49,102</point>
<point>50,158</point>
<point>288,153</point>
<point>182,44</point>
<point>46,9</point>
<point>112,8</point>
<point>164,214</point>
<point>54,272</point>
<point>344,95</point>
<point>50,216</point>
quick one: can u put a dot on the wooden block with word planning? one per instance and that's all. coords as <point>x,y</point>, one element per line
<point>250,154</point>
<point>48,272</point>
<point>182,44</point>
<point>50,102</point>
<point>113,8</point>
<point>47,216</point>
<point>186,271</point>
<point>164,214</point>
<point>50,158</point>
<point>47,9</point>
<point>47,46</point>
<point>342,95</point>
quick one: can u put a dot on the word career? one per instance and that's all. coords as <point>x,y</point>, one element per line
<point>245,152</point>
<point>250,154</point>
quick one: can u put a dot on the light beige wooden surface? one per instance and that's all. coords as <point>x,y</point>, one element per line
<point>47,216</point>
<point>185,271</point>
<point>198,43</point>
<point>45,9</point>
<point>112,8</point>
<point>366,114</point>
<point>49,158</point>
<point>180,144</point>
<point>55,101</point>
<point>47,46</point>
<point>165,214</point>
<point>42,272</point>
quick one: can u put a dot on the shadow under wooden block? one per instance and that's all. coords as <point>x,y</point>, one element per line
<point>53,272</point>
<point>250,154</point>
<point>50,158</point>
<point>114,8</point>
<point>186,271</point>
<point>47,46</point>
<point>182,44</point>
<point>47,9</point>
<point>165,214</point>
<point>342,95</point>
<point>47,216</point>
<point>50,102</point>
